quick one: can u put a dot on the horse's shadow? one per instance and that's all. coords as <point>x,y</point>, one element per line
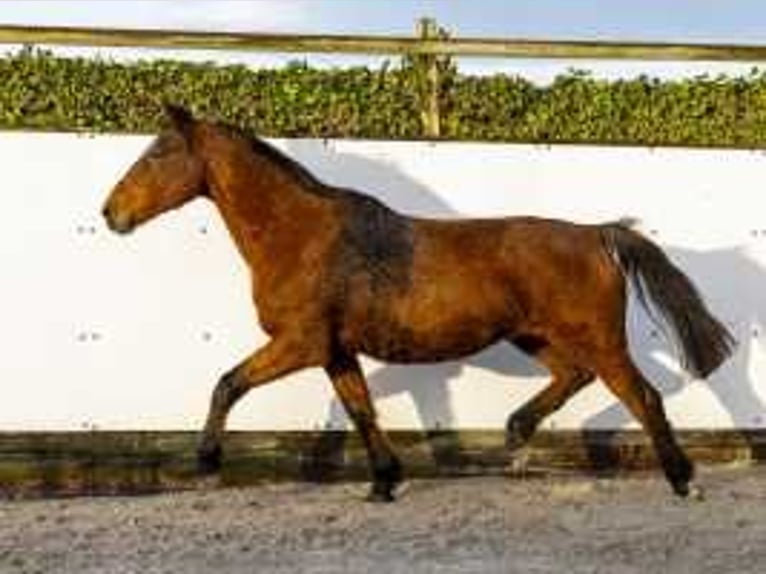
<point>427,385</point>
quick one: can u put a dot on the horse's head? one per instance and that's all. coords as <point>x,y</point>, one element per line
<point>166,176</point>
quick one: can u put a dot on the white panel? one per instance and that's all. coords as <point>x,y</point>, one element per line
<point>132,333</point>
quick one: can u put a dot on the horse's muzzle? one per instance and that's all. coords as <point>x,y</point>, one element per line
<point>121,225</point>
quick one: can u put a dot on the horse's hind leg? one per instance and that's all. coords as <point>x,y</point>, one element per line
<point>645,403</point>
<point>567,379</point>
<point>347,378</point>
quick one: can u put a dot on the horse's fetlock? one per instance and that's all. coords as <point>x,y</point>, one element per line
<point>519,429</point>
<point>381,492</point>
<point>680,472</point>
<point>387,475</point>
<point>209,457</point>
<point>389,471</point>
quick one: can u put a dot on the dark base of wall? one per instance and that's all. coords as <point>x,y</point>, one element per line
<point>93,463</point>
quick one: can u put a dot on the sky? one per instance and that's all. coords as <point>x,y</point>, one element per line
<point>739,21</point>
<point>709,21</point>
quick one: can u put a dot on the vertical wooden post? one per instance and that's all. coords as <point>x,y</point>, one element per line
<point>427,29</point>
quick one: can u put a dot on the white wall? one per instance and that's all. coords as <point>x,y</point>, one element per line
<point>111,332</point>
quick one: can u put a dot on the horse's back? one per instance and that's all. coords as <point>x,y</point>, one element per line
<point>532,258</point>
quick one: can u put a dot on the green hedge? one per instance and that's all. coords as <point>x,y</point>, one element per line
<point>38,90</point>
<point>41,91</point>
<point>703,111</point>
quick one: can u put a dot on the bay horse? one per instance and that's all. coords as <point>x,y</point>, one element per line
<point>336,273</point>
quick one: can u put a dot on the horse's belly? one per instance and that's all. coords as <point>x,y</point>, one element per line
<point>444,313</point>
<point>435,339</point>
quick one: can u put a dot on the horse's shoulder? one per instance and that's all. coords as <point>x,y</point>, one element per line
<point>373,239</point>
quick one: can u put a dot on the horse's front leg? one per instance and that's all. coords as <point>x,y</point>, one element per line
<point>279,357</point>
<point>351,387</point>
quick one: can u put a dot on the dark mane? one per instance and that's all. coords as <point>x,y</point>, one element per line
<point>310,181</point>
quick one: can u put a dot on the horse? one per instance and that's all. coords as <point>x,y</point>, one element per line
<point>337,274</point>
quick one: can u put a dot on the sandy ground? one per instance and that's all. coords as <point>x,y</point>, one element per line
<point>487,525</point>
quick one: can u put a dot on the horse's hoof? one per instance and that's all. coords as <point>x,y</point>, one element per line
<point>207,482</point>
<point>386,480</point>
<point>695,492</point>
<point>681,489</point>
<point>209,461</point>
<point>689,491</point>
<point>381,494</point>
<point>519,462</point>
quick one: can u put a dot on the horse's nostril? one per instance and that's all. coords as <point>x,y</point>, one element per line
<point>105,212</point>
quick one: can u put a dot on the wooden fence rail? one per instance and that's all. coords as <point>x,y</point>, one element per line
<point>357,44</point>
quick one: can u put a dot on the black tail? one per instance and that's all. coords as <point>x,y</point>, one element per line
<point>704,342</point>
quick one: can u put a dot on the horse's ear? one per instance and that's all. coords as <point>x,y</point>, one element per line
<point>180,118</point>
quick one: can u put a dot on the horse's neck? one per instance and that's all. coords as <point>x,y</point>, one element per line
<point>269,214</point>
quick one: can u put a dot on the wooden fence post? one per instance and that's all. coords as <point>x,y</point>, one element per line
<point>427,29</point>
